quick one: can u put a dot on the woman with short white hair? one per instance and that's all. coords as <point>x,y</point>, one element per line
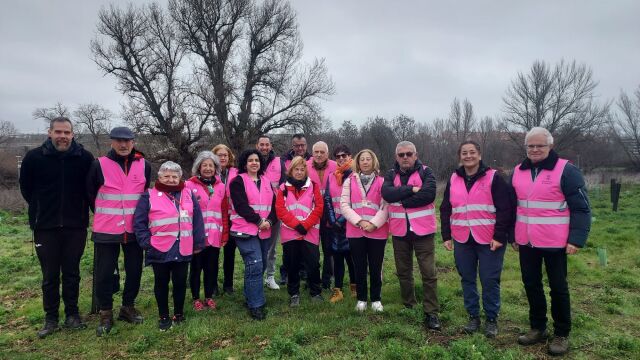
<point>168,225</point>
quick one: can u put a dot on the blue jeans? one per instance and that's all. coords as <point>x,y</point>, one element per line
<point>253,250</point>
<point>472,258</point>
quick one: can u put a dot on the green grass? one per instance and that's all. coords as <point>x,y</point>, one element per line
<point>605,305</point>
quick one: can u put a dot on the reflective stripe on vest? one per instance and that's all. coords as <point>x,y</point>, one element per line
<point>260,201</point>
<point>422,220</point>
<point>366,206</point>
<point>301,208</point>
<point>472,211</point>
<point>169,224</point>
<point>117,198</point>
<point>543,217</point>
<point>335,191</point>
<point>211,207</point>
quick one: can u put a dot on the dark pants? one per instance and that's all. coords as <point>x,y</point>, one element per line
<point>205,262</point>
<point>298,251</point>
<point>424,247</point>
<point>555,262</point>
<point>473,258</point>
<point>176,272</point>
<point>107,263</point>
<point>228,262</point>
<point>59,251</point>
<point>368,254</point>
<point>327,256</point>
<point>339,258</point>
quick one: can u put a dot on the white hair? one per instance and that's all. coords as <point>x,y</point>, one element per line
<point>539,131</point>
<point>170,166</point>
<point>321,143</point>
<point>202,156</point>
<point>405,143</point>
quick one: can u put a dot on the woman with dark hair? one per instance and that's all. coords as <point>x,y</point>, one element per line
<point>210,192</point>
<point>227,174</point>
<point>252,214</point>
<point>475,214</point>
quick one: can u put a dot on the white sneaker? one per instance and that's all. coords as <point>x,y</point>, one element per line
<point>361,306</point>
<point>376,306</point>
<point>271,283</point>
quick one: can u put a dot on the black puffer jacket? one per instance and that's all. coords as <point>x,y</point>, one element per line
<point>53,184</point>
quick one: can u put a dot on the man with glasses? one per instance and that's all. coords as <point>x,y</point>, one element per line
<point>553,220</point>
<point>410,190</point>
<point>298,148</point>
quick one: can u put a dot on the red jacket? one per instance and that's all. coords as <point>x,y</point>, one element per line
<point>289,219</point>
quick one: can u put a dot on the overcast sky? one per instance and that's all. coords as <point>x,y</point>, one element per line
<point>385,57</point>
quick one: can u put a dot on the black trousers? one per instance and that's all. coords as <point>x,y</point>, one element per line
<point>339,258</point>
<point>107,263</point>
<point>176,272</point>
<point>59,251</point>
<point>327,256</point>
<point>228,262</point>
<point>295,251</point>
<point>555,262</point>
<point>368,254</point>
<point>205,262</point>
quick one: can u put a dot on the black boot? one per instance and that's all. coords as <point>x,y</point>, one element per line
<point>473,325</point>
<point>74,322</point>
<point>491,328</point>
<point>50,326</point>
<point>258,313</point>
<point>106,322</point>
<point>432,322</point>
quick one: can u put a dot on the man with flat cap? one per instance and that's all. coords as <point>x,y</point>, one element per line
<point>114,185</point>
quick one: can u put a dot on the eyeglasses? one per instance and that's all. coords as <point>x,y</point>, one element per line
<point>342,156</point>
<point>299,145</point>
<point>405,154</point>
<point>535,146</point>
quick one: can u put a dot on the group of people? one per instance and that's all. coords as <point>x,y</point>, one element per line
<point>347,207</point>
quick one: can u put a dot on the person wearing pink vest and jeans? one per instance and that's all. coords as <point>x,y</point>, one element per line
<point>553,220</point>
<point>367,229</point>
<point>299,205</point>
<point>252,214</point>
<point>410,190</point>
<point>115,183</point>
<point>476,214</point>
<point>169,226</point>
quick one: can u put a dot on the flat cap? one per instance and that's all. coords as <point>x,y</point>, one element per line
<point>121,132</point>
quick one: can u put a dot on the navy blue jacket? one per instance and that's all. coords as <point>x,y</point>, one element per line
<point>339,242</point>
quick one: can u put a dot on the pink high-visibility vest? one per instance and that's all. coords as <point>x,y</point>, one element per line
<point>366,206</point>
<point>211,207</point>
<point>301,208</point>
<point>260,201</point>
<point>422,220</point>
<point>168,224</point>
<point>273,172</point>
<point>335,191</point>
<point>472,211</point>
<point>542,217</point>
<point>118,196</point>
<point>313,174</point>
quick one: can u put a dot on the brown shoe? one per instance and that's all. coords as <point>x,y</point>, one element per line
<point>106,322</point>
<point>352,289</point>
<point>559,345</point>
<point>130,314</point>
<point>534,336</point>
<point>336,296</point>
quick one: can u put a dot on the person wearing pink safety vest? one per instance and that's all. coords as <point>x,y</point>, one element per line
<point>275,172</point>
<point>252,214</point>
<point>337,223</point>
<point>227,174</point>
<point>553,220</point>
<point>320,167</point>
<point>211,194</point>
<point>367,228</point>
<point>168,225</point>
<point>476,215</point>
<point>299,205</point>
<point>410,190</point>
<point>114,184</point>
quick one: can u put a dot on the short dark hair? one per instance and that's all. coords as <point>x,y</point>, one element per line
<point>469,142</point>
<point>242,161</point>
<point>60,119</point>
<point>341,148</point>
<point>265,136</point>
<point>298,136</point>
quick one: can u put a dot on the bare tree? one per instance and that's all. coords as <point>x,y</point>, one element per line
<point>94,120</point>
<point>560,99</point>
<point>7,132</point>
<point>461,119</point>
<point>249,52</point>
<point>403,126</point>
<point>626,125</point>
<point>47,114</point>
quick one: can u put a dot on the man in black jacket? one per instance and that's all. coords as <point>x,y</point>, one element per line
<point>412,224</point>
<point>120,176</point>
<point>52,181</point>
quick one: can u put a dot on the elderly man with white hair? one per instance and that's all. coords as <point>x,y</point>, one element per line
<point>320,167</point>
<point>168,225</point>
<point>553,220</point>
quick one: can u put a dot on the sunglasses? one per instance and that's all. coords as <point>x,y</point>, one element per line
<point>342,156</point>
<point>405,154</point>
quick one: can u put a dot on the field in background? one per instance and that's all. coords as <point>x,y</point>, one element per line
<point>606,310</point>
